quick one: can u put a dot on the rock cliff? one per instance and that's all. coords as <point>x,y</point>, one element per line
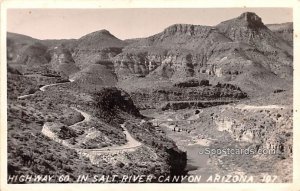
<point>227,52</point>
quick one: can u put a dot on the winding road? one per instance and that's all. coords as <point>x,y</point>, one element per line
<point>43,88</point>
<point>87,117</point>
<point>25,96</point>
<point>256,107</point>
<point>131,143</point>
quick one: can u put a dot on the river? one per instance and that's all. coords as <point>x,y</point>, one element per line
<point>197,164</point>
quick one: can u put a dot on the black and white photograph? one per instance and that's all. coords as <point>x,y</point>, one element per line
<point>149,95</point>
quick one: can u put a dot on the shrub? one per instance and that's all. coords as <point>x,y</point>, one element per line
<point>192,83</point>
<point>31,91</point>
<point>204,83</point>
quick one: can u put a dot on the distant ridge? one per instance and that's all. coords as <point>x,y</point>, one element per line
<point>228,51</point>
<point>99,40</point>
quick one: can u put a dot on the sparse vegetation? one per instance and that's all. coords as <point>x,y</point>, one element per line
<point>192,83</point>
<point>74,126</point>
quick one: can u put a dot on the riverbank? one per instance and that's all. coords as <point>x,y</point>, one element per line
<point>169,122</point>
<point>239,126</point>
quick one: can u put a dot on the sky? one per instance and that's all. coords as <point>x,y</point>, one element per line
<point>124,23</point>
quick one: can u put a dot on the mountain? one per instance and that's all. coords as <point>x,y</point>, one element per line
<point>93,53</point>
<point>95,76</point>
<point>99,40</point>
<point>283,30</point>
<point>234,51</point>
<point>62,60</point>
<point>16,43</point>
<point>19,38</point>
<point>79,58</point>
<point>97,46</point>
<point>241,51</point>
<point>231,83</point>
<point>248,28</point>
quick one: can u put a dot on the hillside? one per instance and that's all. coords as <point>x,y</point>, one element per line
<point>16,43</point>
<point>62,60</point>
<point>283,30</point>
<point>101,105</point>
<point>99,40</point>
<point>95,76</point>
<point>79,123</point>
<point>248,28</point>
<point>95,47</point>
<point>66,57</point>
<point>259,124</point>
<point>46,122</point>
<point>233,51</point>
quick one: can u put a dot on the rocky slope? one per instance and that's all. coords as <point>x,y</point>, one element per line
<point>283,30</point>
<point>114,106</point>
<point>95,47</point>
<point>15,43</point>
<point>107,109</point>
<point>248,28</point>
<point>267,125</point>
<point>71,58</point>
<point>239,48</point>
<point>241,51</point>
<point>184,66</point>
<point>185,97</point>
<point>62,61</point>
<point>262,124</point>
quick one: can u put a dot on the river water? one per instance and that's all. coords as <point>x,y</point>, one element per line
<point>197,164</point>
